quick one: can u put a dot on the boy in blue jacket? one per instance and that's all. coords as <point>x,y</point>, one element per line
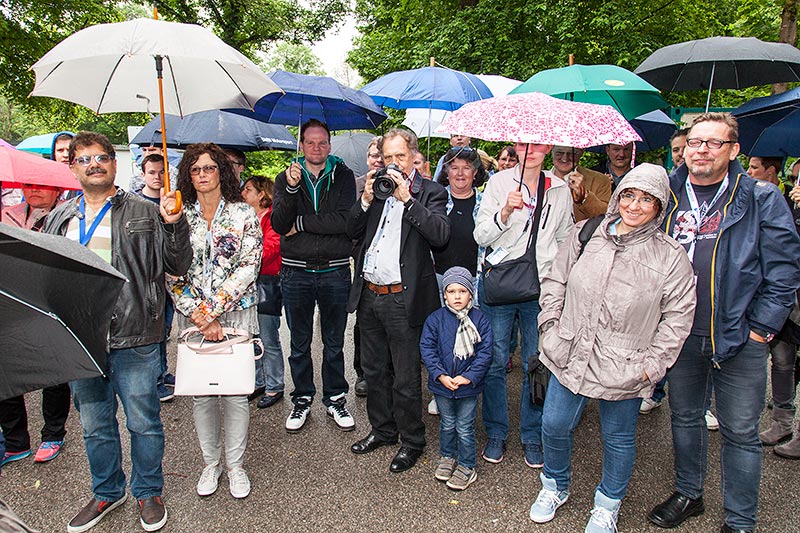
<point>456,346</point>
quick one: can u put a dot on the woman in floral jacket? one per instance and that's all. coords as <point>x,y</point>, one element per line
<point>218,291</point>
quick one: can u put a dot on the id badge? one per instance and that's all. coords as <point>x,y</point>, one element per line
<point>369,263</point>
<point>497,256</point>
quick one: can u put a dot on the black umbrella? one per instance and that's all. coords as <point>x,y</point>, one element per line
<point>720,63</point>
<point>56,302</point>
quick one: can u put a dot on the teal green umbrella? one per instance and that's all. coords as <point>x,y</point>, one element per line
<point>597,84</point>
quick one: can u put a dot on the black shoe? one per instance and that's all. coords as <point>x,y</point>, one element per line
<point>406,458</point>
<point>269,401</point>
<point>361,387</point>
<point>728,529</point>
<point>256,393</point>
<point>370,443</point>
<point>675,510</point>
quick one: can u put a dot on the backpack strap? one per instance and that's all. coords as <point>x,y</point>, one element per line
<point>588,230</point>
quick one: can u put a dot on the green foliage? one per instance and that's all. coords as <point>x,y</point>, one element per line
<point>268,163</point>
<point>294,58</point>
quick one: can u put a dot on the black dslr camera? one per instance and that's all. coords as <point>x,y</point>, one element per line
<point>383,187</point>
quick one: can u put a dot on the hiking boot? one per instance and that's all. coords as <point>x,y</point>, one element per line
<point>341,416</point>
<point>462,478</point>
<point>444,468</point>
<point>209,480</point>
<point>548,501</point>
<point>238,482</point>
<point>648,404</point>
<point>494,450</point>
<point>10,457</point>
<point>152,513</point>
<point>533,455</point>
<point>780,429</point>
<point>92,513</point>
<point>297,418</point>
<point>48,451</point>
<point>604,514</point>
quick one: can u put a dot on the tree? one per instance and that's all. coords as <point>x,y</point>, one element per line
<point>297,58</point>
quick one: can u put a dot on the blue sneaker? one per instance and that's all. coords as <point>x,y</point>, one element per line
<point>533,455</point>
<point>169,379</point>
<point>10,457</point>
<point>165,393</point>
<point>494,450</point>
<point>548,501</point>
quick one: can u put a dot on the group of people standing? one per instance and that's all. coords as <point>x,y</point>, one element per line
<point>688,276</point>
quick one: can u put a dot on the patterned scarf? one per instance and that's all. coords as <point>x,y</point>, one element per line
<point>467,335</point>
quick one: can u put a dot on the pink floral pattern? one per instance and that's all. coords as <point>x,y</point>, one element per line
<point>538,118</point>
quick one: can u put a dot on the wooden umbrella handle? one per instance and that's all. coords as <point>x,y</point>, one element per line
<point>159,74</point>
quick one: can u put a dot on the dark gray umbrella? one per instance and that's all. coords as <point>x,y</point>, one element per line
<point>228,130</point>
<point>352,148</point>
<point>720,63</point>
<point>56,302</point>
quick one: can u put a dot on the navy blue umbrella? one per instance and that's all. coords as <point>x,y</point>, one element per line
<point>426,88</point>
<point>655,128</point>
<point>228,130</point>
<point>770,126</point>
<point>319,97</point>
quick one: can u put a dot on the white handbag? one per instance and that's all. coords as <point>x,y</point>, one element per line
<point>207,368</point>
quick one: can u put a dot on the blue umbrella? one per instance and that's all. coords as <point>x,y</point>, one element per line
<point>38,144</point>
<point>427,88</point>
<point>319,97</point>
<point>655,128</point>
<point>770,126</point>
<point>225,129</point>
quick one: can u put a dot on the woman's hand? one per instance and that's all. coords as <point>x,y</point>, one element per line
<point>448,382</point>
<point>514,201</point>
<point>213,331</point>
<point>199,319</point>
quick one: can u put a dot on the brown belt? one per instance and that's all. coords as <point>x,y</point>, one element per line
<point>384,289</point>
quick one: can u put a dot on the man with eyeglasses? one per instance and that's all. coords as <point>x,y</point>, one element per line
<point>148,240</point>
<point>312,199</point>
<point>738,234</point>
<point>590,190</point>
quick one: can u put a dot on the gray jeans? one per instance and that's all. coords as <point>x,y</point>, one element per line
<point>208,413</point>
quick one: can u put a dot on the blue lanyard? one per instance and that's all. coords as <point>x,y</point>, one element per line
<point>84,236</point>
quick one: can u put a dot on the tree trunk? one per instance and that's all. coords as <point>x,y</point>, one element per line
<point>788,34</point>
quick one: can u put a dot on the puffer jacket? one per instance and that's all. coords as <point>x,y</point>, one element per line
<point>624,309</point>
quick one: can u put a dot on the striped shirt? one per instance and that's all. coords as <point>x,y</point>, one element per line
<point>101,240</point>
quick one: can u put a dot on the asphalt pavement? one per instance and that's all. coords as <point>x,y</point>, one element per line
<point>311,482</point>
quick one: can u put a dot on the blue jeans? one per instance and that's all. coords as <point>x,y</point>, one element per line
<point>132,377</point>
<point>457,428</point>
<point>739,386</point>
<point>495,400</point>
<point>302,291</point>
<point>169,313</point>
<point>562,413</point>
<point>269,369</point>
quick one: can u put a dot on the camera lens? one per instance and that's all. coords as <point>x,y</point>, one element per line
<point>383,187</point>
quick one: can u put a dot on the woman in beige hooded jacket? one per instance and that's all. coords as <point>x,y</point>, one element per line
<point>613,321</point>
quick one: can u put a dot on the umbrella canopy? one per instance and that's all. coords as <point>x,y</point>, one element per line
<point>428,88</point>
<point>319,97</point>
<point>56,302</point>
<point>655,128</point>
<point>225,129</point>
<point>720,63</point>
<point>352,148</point>
<point>111,68</point>
<point>18,167</point>
<point>770,126</point>
<point>538,118</point>
<point>597,84</point>
<point>37,144</point>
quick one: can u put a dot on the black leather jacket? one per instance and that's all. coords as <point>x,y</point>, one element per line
<point>143,248</point>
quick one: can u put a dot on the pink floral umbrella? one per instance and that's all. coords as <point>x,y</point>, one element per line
<point>540,119</point>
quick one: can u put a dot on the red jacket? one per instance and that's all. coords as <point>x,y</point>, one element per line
<point>271,256</point>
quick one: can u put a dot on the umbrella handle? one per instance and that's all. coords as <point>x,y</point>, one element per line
<point>160,76</point>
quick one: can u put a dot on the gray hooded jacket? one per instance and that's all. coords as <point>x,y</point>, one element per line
<point>624,309</point>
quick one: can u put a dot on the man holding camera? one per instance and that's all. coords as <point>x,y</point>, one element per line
<point>397,220</point>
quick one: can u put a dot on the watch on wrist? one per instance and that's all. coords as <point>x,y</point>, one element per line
<point>767,336</point>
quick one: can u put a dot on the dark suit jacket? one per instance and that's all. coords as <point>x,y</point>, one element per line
<point>425,225</point>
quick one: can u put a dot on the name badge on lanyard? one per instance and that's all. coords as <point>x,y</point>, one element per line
<point>86,236</point>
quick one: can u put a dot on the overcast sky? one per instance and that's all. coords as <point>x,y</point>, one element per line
<point>332,50</point>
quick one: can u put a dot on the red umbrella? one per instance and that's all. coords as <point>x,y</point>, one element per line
<point>18,168</point>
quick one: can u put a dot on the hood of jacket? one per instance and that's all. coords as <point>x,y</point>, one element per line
<point>649,178</point>
<point>53,144</point>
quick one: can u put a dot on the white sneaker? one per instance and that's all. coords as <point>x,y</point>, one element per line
<point>648,404</point>
<point>297,418</point>
<point>548,501</point>
<point>239,482</point>
<point>433,409</point>
<point>342,417</point>
<point>711,421</point>
<point>209,480</point>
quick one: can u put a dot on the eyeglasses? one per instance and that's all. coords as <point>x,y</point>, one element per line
<point>208,169</point>
<point>100,159</point>
<point>713,144</point>
<point>645,200</point>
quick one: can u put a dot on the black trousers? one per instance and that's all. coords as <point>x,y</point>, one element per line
<point>357,349</point>
<point>14,418</point>
<point>391,362</point>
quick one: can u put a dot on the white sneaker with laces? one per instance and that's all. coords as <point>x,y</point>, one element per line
<point>209,480</point>
<point>648,404</point>
<point>711,421</point>
<point>548,501</point>
<point>342,417</point>
<point>433,409</point>
<point>297,418</point>
<point>239,482</point>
